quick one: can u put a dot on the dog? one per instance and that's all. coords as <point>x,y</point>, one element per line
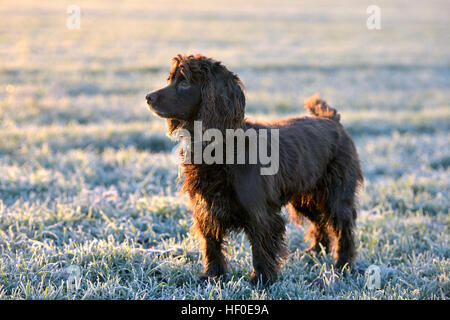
<point>319,173</point>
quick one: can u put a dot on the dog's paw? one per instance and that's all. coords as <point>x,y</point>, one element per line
<point>260,280</point>
<point>205,276</point>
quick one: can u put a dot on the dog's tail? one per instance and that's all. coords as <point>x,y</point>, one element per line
<point>319,108</point>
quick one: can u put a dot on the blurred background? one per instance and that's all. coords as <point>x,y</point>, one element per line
<point>86,170</point>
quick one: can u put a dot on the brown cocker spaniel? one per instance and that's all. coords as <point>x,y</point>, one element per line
<point>319,171</point>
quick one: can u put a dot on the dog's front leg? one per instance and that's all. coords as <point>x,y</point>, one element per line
<point>268,249</point>
<point>213,258</point>
<point>211,246</point>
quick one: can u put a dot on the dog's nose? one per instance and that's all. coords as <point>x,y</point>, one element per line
<point>151,97</point>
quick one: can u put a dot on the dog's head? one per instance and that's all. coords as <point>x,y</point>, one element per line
<point>202,89</point>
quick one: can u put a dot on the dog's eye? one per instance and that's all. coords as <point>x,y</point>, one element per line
<point>184,84</point>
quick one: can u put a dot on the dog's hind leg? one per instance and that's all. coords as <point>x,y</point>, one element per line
<point>318,233</point>
<point>343,221</point>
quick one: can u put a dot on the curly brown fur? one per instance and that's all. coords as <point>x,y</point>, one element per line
<point>319,171</point>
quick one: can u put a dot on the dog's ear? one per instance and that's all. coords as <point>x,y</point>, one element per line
<point>223,99</point>
<point>172,125</point>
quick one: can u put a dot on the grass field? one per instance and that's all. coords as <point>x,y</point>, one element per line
<point>87,176</point>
